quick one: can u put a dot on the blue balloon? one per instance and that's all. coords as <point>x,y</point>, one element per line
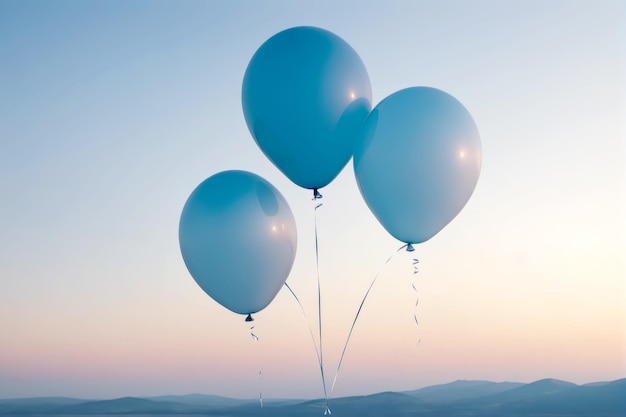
<point>305,95</point>
<point>417,162</point>
<point>238,239</point>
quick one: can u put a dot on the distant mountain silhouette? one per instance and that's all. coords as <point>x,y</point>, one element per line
<point>605,399</point>
<point>544,398</point>
<point>35,405</point>
<point>43,400</point>
<point>533,390</point>
<point>552,397</point>
<point>125,405</point>
<point>386,404</point>
<point>382,404</point>
<point>201,400</point>
<point>461,389</point>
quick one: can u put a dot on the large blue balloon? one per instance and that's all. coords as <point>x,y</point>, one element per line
<point>417,162</point>
<point>305,95</point>
<point>238,239</point>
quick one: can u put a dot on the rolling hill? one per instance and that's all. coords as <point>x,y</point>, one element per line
<point>544,398</point>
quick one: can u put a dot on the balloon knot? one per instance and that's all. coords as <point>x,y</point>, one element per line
<point>316,194</point>
<point>249,318</point>
<point>409,247</point>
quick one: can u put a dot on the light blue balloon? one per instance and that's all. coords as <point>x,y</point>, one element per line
<point>417,162</point>
<point>238,239</point>
<point>305,95</point>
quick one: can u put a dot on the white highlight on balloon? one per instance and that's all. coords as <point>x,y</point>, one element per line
<point>278,227</point>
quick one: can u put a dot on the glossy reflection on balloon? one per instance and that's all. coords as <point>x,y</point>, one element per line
<point>238,239</point>
<point>417,161</point>
<point>305,95</point>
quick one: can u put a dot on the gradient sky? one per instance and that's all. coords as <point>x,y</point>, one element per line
<point>111,112</point>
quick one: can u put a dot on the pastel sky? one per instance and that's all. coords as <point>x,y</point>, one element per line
<point>112,112</point>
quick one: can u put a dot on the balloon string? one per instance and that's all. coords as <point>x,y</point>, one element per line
<point>317,196</point>
<point>417,299</point>
<point>307,320</point>
<point>345,346</point>
<point>317,352</point>
<point>258,377</point>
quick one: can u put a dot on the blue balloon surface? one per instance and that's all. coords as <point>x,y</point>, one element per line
<point>417,162</point>
<point>305,95</point>
<point>238,239</point>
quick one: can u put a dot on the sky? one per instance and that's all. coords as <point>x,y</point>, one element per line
<point>112,112</point>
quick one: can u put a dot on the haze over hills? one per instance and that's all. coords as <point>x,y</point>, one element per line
<point>547,397</point>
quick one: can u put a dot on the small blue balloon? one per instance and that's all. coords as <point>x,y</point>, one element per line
<point>417,162</point>
<point>305,95</point>
<point>238,239</point>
